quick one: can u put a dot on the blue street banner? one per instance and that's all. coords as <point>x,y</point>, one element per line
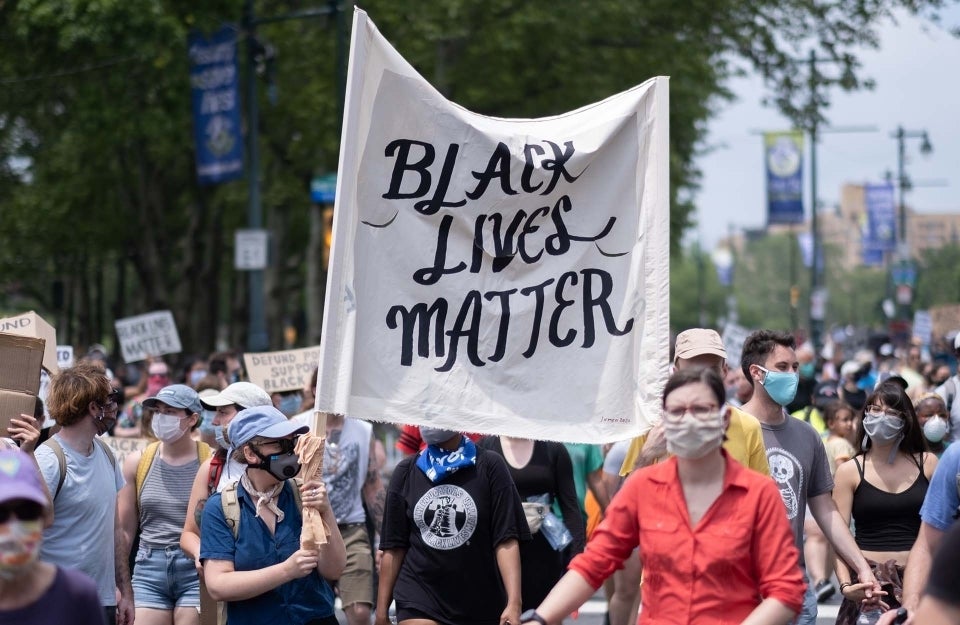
<point>214,85</point>
<point>783,159</point>
<point>879,229</point>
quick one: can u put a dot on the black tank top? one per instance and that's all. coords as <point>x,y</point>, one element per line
<point>887,521</point>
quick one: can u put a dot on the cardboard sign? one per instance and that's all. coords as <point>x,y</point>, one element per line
<point>509,274</point>
<point>123,447</point>
<point>32,324</point>
<point>65,356</point>
<point>152,334</point>
<point>276,372</point>
<point>733,338</point>
<point>945,320</point>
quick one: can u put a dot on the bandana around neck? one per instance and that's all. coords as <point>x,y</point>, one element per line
<point>438,463</point>
<point>268,499</point>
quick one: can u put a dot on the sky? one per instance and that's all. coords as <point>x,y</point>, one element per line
<point>915,72</point>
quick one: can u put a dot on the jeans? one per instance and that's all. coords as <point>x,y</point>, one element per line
<point>808,615</point>
<point>164,579</point>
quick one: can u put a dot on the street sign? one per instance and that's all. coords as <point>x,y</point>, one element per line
<point>251,250</point>
<point>323,189</point>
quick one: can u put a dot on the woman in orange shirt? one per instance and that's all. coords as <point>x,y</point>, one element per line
<point>713,536</point>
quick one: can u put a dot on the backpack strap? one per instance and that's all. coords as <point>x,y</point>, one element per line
<point>230,503</point>
<point>231,508</point>
<point>106,449</point>
<point>217,463</point>
<point>143,467</point>
<point>54,444</point>
<point>203,451</point>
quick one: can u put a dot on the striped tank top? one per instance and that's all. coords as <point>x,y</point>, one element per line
<point>163,502</point>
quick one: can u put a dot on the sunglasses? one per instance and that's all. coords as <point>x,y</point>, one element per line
<point>26,511</point>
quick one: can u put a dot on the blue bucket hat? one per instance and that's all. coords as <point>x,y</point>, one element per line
<point>265,421</point>
<point>178,396</point>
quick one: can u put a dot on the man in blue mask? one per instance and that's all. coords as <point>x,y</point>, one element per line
<point>795,453</point>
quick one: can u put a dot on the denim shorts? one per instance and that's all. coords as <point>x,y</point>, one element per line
<point>164,579</point>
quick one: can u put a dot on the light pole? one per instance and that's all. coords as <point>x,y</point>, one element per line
<point>904,274</point>
<point>257,338</point>
<point>903,182</point>
<point>811,123</point>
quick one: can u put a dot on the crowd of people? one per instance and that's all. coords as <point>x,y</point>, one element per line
<point>758,484</point>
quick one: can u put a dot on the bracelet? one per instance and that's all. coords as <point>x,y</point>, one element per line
<point>844,585</point>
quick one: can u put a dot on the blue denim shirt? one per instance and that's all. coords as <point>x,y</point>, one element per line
<point>255,548</point>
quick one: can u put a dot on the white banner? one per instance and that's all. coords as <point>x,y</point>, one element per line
<point>502,276</point>
<point>152,334</point>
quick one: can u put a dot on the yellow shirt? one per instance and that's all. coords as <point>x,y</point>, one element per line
<point>814,418</point>
<point>744,444</point>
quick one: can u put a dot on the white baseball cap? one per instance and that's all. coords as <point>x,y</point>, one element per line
<point>243,394</point>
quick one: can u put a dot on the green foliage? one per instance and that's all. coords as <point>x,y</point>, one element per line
<point>97,183</point>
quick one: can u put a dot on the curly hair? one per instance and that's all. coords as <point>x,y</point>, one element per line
<point>72,391</point>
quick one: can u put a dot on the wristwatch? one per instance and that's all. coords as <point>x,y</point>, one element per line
<point>531,616</point>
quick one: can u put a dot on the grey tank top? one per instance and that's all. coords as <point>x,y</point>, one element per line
<point>163,502</point>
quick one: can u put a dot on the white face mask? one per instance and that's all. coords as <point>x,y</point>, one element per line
<point>168,428</point>
<point>935,429</point>
<point>694,437</point>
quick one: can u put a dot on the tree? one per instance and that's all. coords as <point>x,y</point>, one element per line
<point>97,186</point>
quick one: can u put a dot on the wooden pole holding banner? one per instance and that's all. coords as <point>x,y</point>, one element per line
<point>310,449</point>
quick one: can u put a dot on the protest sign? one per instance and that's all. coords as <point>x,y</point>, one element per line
<point>152,334</point>
<point>734,337</point>
<point>32,324</point>
<point>276,372</point>
<point>502,276</point>
<point>123,447</point>
<point>65,356</point>
<point>944,320</point>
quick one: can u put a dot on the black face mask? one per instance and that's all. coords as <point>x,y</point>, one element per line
<point>282,466</point>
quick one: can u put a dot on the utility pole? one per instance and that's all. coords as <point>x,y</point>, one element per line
<point>903,275</point>
<point>258,339</point>
<point>818,294</point>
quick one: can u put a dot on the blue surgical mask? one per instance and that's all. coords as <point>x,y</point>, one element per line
<point>220,432</point>
<point>196,376</point>
<point>206,421</point>
<point>781,386</point>
<point>290,404</point>
<point>807,370</point>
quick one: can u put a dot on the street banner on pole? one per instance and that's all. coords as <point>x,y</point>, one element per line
<point>879,231</point>
<point>214,84</point>
<point>783,159</point>
<point>500,276</point>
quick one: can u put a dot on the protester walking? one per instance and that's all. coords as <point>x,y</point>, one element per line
<point>83,476</point>
<point>154,501</point>
<point>32,591</point>
<point>450,537</point>
<point>882,490</point>
<point>251,552</point>
<point>712,535</point>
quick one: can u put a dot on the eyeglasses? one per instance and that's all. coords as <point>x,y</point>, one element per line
<point>702,411</point>
<point>879,411</point>
<point>286,445</point>
<point>26,511</point>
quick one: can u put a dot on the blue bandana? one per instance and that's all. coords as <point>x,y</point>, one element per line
<point>438,463</point>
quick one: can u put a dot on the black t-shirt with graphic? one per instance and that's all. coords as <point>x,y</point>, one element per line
<point>450,530</point>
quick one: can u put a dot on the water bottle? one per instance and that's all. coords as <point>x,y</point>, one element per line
<point>869,615</point>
